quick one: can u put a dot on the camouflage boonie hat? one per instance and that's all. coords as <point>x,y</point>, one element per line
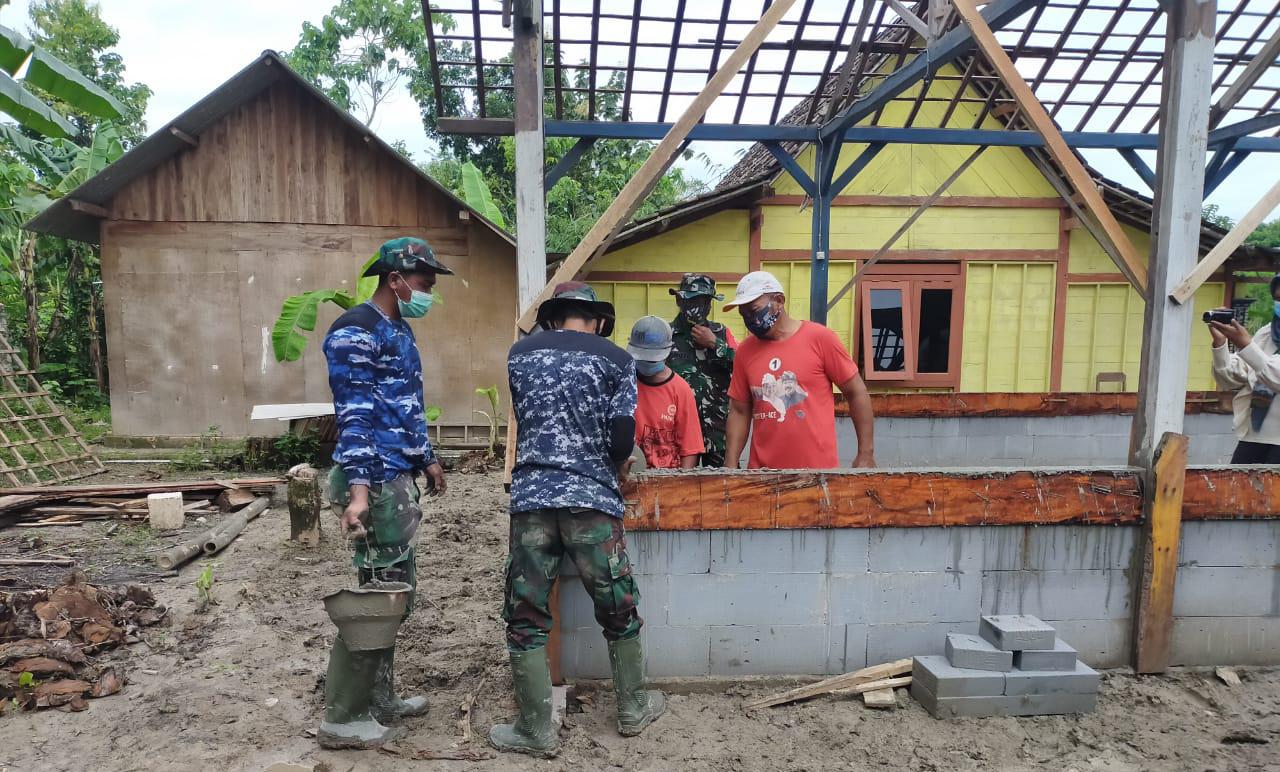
<point>576,292</point>
<point>406,255</point>
<point>696,284</point>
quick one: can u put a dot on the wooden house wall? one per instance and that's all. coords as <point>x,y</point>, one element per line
<point>279,198</point>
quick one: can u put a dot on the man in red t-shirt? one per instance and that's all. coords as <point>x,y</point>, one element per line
<point>667,425</point>
<point>782,387</point>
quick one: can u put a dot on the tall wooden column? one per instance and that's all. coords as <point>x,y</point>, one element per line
<point>531,211</point>
<point>1175,224</point>
<point>1167,333</point>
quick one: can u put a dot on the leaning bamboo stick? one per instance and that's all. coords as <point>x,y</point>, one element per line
<point>836,683</point>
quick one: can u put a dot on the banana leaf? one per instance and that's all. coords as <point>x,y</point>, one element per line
<point>35,153</point>
<point>103,151</point>
<point>58,79</point>
<point>366,285</point>
<point>476,193</point>
<point>31,112</point>
<point>14,50</point>
<point>298,312</point>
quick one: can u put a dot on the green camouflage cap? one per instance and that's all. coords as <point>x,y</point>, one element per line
<point>406,255</point>
<point>696,284</point>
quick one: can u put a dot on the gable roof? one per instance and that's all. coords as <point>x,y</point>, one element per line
<point>63,219</point>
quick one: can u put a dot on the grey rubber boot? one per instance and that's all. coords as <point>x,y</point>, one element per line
<point>348,701</point>
<point>532,732</point>
<point>637,707</point>
<point>387,705</point>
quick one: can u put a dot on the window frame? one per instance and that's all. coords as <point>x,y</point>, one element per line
<point>913,280</point>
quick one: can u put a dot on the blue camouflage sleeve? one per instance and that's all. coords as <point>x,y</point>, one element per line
<point>350,353</point>
<point>623,402</point>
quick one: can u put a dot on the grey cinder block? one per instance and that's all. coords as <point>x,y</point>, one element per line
<point>975,653</point>
<point>1015,632</point>
<point>941,678</point>
<point>1022,705</point>
<point>1061,657</point>
<point>1082,680</point>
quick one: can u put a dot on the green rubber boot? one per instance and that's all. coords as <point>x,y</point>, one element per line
<point>387,705</point>
<point>532,732</point>
<point>637,707</point>
<point>348,701</point>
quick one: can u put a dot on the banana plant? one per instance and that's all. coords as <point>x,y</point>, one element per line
<point>53,77</point>
<point>298,313</point>
<point>476,193</point>
<point>492,418</point>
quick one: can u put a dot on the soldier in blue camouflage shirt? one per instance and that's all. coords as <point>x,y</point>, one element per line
<point>574,395</point>
<point>375,374</point>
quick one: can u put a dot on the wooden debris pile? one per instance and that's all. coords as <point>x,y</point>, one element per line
<point>875,683</point>
<point>76,504</point>
<point>49,637</point>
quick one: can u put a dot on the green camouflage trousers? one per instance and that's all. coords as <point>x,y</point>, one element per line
<point>597,545</point>
<point>386,552</point>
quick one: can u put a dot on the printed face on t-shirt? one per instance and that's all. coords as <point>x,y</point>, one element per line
<point>779,390</point>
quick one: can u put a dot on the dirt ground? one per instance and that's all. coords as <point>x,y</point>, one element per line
<point>240,687</point>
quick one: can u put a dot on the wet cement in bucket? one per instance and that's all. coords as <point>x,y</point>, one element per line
<point>368,618</point>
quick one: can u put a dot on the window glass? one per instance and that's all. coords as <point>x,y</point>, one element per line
<point>888,353</point>
<point>934,328</point>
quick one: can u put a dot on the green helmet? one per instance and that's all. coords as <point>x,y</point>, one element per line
<point>696,284</point>
<point>406,255</point>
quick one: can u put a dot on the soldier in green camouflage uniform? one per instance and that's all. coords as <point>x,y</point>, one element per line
<point>703,356</point>
<point>386,551</point>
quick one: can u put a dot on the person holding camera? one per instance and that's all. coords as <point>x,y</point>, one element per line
<point>1253,371</point>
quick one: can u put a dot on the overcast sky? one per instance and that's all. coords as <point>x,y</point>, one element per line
<point>182,50</point>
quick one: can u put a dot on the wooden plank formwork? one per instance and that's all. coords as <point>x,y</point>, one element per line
<point>38,445</point>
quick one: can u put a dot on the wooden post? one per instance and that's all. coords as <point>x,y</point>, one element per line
<point>1161,526</point>
<point>304,505</point>
<point>531,210</point>
<point>632,194</point>
<point>1175,224</point>
<point>1131,263</point>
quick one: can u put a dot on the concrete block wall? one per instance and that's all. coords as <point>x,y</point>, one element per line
<point>811,601</point>
<point>1226,601</point>
<point>1020,442</point>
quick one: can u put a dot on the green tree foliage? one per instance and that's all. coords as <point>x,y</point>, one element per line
<point>74,31</point>
<point>1267,235</point>
<point>364,48</point>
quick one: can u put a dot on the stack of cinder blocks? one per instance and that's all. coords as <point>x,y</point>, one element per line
<point>1016,666</point>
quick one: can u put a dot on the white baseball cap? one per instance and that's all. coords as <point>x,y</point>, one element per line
<point>752,286</point>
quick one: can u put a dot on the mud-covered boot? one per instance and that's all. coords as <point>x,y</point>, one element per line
<point>348,701</point>
<point>637,707</point>
<point>532,733</point>
<point>387,705</point>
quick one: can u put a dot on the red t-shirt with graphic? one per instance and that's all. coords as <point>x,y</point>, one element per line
<point>667,425</point>
<point>789,385</point>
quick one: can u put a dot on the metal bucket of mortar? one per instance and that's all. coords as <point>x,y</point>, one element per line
<point>368,618</point>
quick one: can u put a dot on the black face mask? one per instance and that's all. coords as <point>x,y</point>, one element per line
<point>762,320</point>
<point>697,310</point>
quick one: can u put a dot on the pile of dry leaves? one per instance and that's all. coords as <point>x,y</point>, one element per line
<point>48,639</point>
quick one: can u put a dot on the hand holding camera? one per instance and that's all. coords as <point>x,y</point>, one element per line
<point>1224,328</point>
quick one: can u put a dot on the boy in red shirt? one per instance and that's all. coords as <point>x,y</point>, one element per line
<point>781,390</point>
<point>667,425</point>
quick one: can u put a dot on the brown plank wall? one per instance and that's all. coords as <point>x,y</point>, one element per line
<point>280,197</point>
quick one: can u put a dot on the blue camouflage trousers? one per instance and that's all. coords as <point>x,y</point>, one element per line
<point>597,545</point>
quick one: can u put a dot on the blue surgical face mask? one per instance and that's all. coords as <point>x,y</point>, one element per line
<point>1275,307</point>
<point>649,369</point>
<point>418,304</point>
<point>760,321</point>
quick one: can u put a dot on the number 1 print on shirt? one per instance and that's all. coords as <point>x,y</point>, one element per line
<point>780,391</point>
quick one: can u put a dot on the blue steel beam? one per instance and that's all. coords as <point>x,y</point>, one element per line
<point>1223,172</point>
<point>859,163</point>
<point>789,163</point>
<point>1224,134</point>
<point>1139,166</point>
<point>947,49</point>
<point>567,162</point>
<point>1081,140</point>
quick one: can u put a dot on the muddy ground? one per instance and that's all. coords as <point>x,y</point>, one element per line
<point>240,687</point>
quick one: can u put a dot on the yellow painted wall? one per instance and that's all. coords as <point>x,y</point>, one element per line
<point>1104,334</point>
<point>869,227</point>
<point>1008,327</point>
<point>715,244</point>
<point>1088,256</point>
